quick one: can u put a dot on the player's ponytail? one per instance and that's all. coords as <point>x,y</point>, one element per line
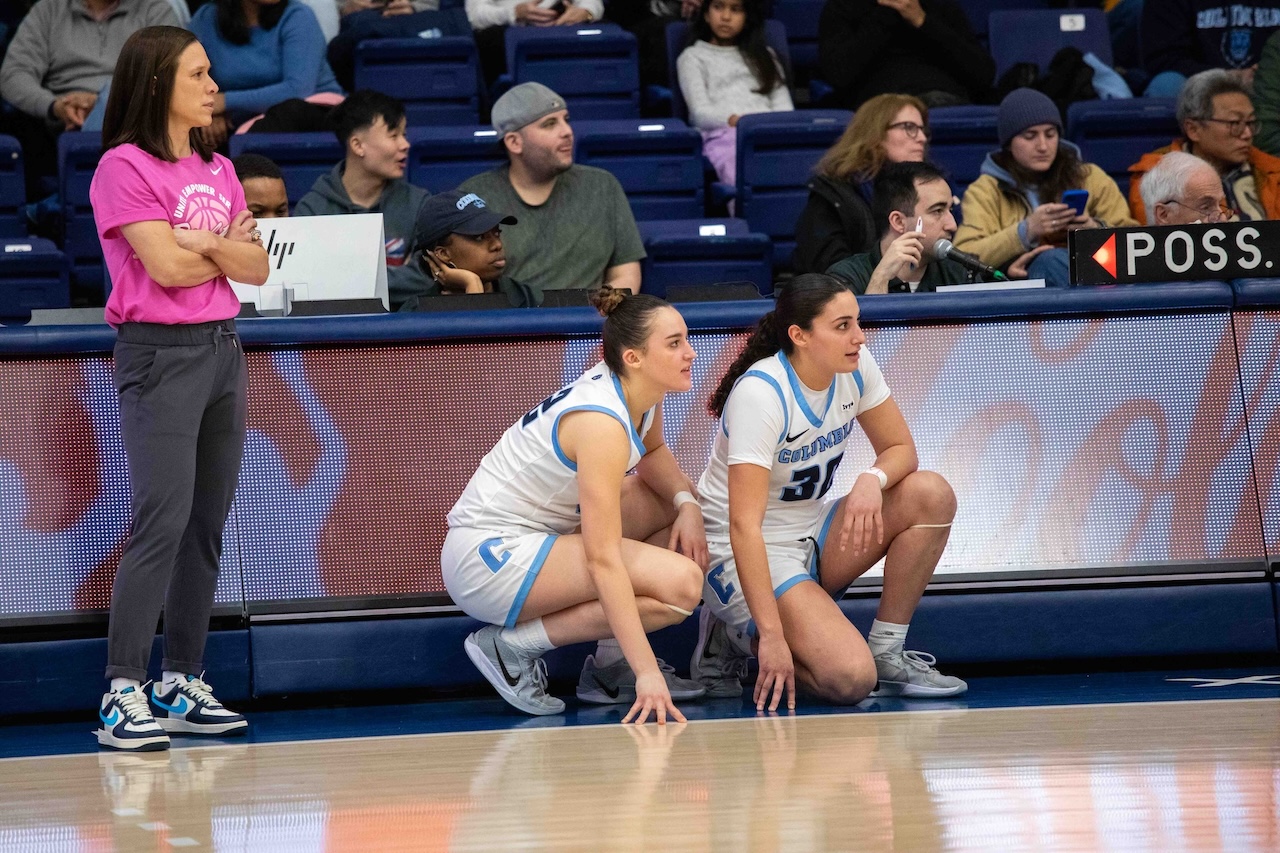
<point>627,320</point>
<point>799,301</point>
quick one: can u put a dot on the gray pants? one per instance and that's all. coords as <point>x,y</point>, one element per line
<point>183,393</point>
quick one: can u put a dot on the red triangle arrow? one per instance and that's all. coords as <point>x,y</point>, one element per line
<point>1106,255</point>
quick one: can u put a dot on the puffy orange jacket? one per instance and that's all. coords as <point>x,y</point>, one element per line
<point>1266,174</point>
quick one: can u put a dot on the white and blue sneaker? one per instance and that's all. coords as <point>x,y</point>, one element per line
<point>188,707</point>
<point>125,722</point>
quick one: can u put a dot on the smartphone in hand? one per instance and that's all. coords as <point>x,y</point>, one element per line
<point>1076,200</point>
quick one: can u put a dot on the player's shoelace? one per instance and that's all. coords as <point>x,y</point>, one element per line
<point>922,661</point>
<point>540,674</point>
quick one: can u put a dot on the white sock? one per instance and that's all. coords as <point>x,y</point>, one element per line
<point>886,637</point>
<point>118,684</point>
<point>170,678</point>
<point>528,636</point>
<point>608,652</point>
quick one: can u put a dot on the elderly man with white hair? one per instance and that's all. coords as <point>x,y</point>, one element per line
<point>1182,189</point>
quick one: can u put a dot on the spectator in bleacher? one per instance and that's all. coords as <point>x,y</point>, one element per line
<point>907,195</point>
<point>1181,38</point>
<point>836,221</point>
<point>647,20</point>
<point>262,52</point>
<point>370,179</point>
<point>58,62</point>
<point>457,241</point>
<point>1016,207</point>
<point>727,71</point>
<point>1218,124</point>
<point>490,19</point>
<point>1266,97</point>
<point>576,228</point>
<point>924,48</point>
<point>1182,189</point>
<point>263,183</point>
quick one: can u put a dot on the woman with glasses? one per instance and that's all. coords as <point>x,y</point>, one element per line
<point>1219,125</point>
<point>1014,215</point>
<point>836,222</point>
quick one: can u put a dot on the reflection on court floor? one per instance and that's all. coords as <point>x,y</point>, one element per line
<point>1162,776</point>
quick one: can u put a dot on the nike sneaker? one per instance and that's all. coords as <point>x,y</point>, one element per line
<point>616,684</point>
<point>125,722</point>
<point>188,707</point>
<point>519,677</point>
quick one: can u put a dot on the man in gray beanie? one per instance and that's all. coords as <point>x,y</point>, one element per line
<point>576,228</point>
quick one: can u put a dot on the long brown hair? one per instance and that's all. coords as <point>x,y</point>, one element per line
<point>859,152</point>
<point>1066,172</point>
<point>799,302</point>
<point>141,89</point>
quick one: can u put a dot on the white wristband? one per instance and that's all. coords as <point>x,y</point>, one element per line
<point>683,498</point>
<point>879,475</point>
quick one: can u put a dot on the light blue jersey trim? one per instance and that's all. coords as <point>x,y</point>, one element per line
<point>555,431</point>
<point>815,567</point>
<point>782,398</point>
<point>796,389</point>
<point>513,615</point>
<point>787,584</point>
<point>857,378</point>
<point>631,430</point>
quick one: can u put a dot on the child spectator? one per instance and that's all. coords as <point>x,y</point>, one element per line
<point>726,72</point>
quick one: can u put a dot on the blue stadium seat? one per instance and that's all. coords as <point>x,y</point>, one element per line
<point>799,19</point>
<point>302,157</point>
<point>776,156</point>
<point>979,12</point>
<point>33,274</point>
<point>443,157</point>
<point>1035,35</point>
<point>1115,134</point>
<point>775,34</point>
<point>594,67</point>
<point>13,188</point>
<point>78,155</point>
<point>657,161</point>
<point>962,137</point>
<point>437,79</point>
<point>704,251</point>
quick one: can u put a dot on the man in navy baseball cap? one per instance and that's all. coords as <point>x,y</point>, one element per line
<point>457,240</point>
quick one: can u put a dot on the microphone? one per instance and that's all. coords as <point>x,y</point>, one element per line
<point>944,249</point>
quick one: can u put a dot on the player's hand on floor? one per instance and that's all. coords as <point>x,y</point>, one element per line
<point>653,697</point>
<point>777,677</point>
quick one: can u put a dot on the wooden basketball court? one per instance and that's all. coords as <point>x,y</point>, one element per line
<point>1163,776</point>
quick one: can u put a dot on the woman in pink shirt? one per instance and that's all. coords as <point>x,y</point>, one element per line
<point>173,224</point>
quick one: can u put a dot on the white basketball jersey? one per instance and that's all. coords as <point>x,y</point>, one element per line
<point>526,483</point>
<point>770,421</point>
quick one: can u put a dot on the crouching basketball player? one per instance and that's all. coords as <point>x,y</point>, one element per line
<point>781,555</point>
<point>552,543</point>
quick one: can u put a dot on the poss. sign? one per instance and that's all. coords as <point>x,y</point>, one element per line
<point>1218,252</point>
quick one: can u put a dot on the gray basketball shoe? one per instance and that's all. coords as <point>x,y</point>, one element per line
<point>519,677</point>
<point>912,675</point>
<point>717,664</point>
<point>616,684</point>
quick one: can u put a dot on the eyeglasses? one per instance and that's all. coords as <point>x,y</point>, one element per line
<point>1236,126</point>
<point>911,129</point>
<point>1208,212</point>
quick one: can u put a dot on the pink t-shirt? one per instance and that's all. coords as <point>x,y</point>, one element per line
<point>132,186</point>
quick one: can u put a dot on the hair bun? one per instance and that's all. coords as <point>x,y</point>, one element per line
<point>607,299</point>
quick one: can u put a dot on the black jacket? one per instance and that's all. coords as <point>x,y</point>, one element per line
<point>835,224</point>
<point>1189,36</point>
<point>865,49</point>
